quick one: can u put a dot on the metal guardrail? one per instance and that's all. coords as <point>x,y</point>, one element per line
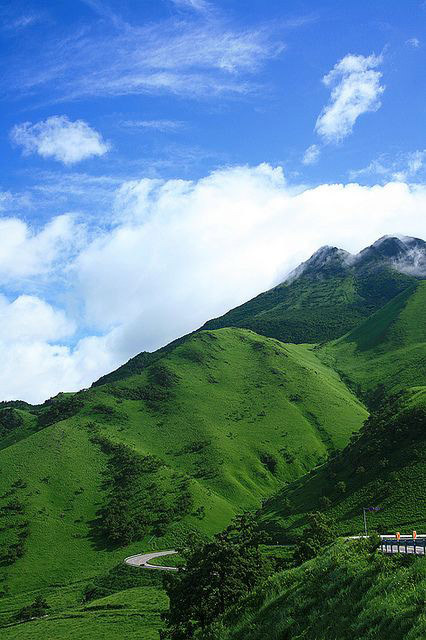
<point>404,545</point>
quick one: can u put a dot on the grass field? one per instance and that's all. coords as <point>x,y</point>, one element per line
<point>132,613</point>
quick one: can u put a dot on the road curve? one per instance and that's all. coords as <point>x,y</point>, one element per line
<point>142,560</point>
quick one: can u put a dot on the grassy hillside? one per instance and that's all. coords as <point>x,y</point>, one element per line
<point>318,306</point>
<point>385,467</point>
<point>124,614</point>
<point>346,593</point>
<point>387,352</point>
<point>215,425</point>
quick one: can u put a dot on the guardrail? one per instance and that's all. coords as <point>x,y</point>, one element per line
<point>406,544</point>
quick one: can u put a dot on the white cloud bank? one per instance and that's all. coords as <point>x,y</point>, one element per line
<point>180,252</point>
<point>355,89</point>
<point>60,138</point>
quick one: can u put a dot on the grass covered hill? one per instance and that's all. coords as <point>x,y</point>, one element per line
<point>326,297</point>
<point>346,593</point>
<point>214,426</point>
<point>384,466</point>
<point>387,352</point>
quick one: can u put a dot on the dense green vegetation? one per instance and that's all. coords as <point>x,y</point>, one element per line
<point>218,573</point>
<point>346,593</point>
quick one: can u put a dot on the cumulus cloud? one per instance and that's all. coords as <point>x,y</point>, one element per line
<point>311,155</point>
<point>29,318</point>
<point>25,252</point>
<point>60,138</point>
<point>355,89</point>
<point>182,252</point>
<point>36,370</point>
<point>179,252</point>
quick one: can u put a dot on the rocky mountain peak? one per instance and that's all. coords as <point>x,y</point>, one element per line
<point>402,253</point>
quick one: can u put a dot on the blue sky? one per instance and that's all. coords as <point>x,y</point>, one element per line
<point>164,160</point>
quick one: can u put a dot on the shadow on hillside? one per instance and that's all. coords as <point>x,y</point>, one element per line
<point>97,537</point>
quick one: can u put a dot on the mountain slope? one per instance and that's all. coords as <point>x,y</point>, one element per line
<point>387,352</point>
<point>385,467</point>
<point>332,292</point>
<point>214,426</point>
<point>346,593</point>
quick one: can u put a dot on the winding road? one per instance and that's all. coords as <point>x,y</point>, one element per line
<point>388,545</point>
<point>142,560</point>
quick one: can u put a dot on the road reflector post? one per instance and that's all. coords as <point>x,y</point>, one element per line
<point>398,538</point>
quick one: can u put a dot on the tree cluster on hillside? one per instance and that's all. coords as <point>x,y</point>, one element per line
<point>316,536</point>
<point>137,500</point>
<point>217,574</point>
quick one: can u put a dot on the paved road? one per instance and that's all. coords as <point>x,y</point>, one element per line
<point>388,546</point>
<point>142,560</point>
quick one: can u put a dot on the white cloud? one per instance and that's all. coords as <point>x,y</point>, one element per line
<point>311,155</point>
<point>26,253</point>
<point>35,365</point>
<point>186,251</point>
<point>355,89</point>
<point>36,370</point>
<point>413,42</point>
<point>29,318</point>
<point>402,168</point>
<point>181,57</point>
<point>181,252</point>
<point>60,138</point>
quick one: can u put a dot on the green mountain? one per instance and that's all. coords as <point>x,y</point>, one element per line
<point>214,426</point>
<point>262,406</point>
<point>332,292</point>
